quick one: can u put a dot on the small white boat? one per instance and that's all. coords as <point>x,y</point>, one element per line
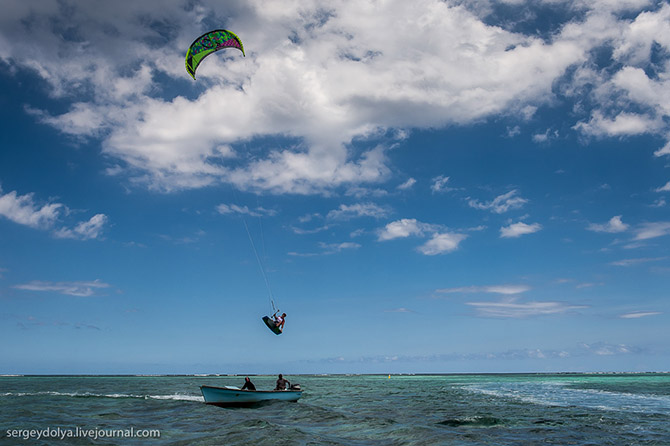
<point>233,396</point>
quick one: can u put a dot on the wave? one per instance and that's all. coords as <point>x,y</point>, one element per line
<point>561,394</point>
<point>173,397</point>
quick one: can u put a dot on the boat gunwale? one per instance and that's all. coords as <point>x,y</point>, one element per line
<point>250,391</point>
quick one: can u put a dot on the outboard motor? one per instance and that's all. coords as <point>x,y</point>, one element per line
<point>295,387</point>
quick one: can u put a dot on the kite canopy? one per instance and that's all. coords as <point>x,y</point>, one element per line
<point>209,43</point>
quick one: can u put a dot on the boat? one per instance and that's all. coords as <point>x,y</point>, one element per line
<point>233,396</point>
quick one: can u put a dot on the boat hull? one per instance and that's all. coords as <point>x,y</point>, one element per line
<point>221,396</point>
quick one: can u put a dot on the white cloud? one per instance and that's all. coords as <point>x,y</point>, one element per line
<point>403,228</point>
<point>665,150</point>
<point>86,230</point>
<point>622,124</point>
<point>518,229</point>
<point>549,134</point>
<point>22,209</point>
<point>327,249</point>
<point>347,212</point>
<point>441,243</point>
<point>513,131</point>
<point>629,101</point>
<point>301,231</point>
<point>400,310</point>
<point>512,308</point>
<point>79,289</point>
<point>439,184</point>
<point>606,349</point>
<point>659,203</point>
<point>665,188</point>
<point>652,230</point>
<point>344,77</point>
<point>631,262</point>
<point>580,286</point>
<point>639,314</point>
<point>358,192</point>
<point>244,210</point>
<point>500,204</point>
<point>614,225</point>
<point>407,184</point>
<point>332,248</point>
<point>497,289</point>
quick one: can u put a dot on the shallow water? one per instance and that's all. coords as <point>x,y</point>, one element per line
<point>347,410</point>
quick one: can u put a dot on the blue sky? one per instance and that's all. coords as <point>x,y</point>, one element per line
<point>437,187</point>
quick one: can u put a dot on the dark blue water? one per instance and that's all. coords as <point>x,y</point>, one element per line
<point>344,410</point>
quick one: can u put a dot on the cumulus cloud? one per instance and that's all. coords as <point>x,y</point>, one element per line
<point>518,229</point>
<point>614,225</point>
<point>501,203</point>
<point>633,100</point>
<point>23,210</point>
<point>403,228</point>
<point>441,243</point>
<point>621,124</point>
<point>344,78</point>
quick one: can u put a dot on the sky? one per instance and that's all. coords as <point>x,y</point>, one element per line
<point>423,187</point>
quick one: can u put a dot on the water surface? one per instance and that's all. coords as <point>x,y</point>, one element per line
<point>548,409</point>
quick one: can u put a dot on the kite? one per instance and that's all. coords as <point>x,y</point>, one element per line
<point>209,43</point>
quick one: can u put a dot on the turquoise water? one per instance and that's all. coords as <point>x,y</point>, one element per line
<point>348,410</point>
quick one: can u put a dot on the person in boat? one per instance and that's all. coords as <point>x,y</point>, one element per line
<point>248,385</point>
<point>279,321</point>
<point>282,383</point>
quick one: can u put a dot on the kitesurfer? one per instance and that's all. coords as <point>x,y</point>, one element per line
<point>279,321</point>
<point>282,383</point>
<point>248,385</point>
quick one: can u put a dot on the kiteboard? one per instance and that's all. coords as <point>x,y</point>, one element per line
<point>271,325</point>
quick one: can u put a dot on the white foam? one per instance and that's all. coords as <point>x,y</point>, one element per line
<point>175,397</point>
<point>561,394</point>
<point>178,397</point>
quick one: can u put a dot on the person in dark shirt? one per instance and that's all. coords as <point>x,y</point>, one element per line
<point>248,385</point>
<point>279,321</point>
<point>282,383</point>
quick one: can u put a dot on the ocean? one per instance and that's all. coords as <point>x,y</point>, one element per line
<point>532,409</point>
